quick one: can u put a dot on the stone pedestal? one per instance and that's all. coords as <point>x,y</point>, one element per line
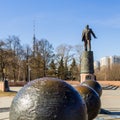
<point>87,77</point>
<point>87,66</point>
<point>2,86</point>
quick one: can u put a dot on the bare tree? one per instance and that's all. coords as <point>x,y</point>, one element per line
<point>64,51</point>
<point>78,52</point>
<point>15,47</point>
<point>46,51</point>
<point>2,59</point>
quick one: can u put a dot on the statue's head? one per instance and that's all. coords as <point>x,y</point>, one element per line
<point>87,26</point>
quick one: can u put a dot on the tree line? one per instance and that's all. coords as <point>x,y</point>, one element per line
<point>27,62</point>
<point>109,72</point>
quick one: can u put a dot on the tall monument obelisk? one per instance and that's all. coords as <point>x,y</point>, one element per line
<point>87,58</point>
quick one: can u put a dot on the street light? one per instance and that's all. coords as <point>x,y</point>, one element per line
<point>4,74</point>
<point>29,73</point>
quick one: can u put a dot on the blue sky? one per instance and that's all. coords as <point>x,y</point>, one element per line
<point>62,22</point>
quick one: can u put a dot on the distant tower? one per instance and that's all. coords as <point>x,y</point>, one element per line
<point>34,41</point>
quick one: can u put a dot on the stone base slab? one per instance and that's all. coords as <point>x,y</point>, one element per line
<point>87,77</point>
<point>2,86</point>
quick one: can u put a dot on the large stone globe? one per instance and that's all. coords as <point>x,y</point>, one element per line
<point>91,99</point>
<point>48,99</point>
<point>93,84</point>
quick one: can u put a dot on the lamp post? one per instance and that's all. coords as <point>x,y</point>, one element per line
<point>4,74</point>
<point>29,73</point>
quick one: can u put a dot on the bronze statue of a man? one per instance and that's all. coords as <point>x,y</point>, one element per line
<point>86,37</point>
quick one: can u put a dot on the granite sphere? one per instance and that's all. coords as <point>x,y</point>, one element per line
<point>48,99</point>
<point>93,84</point>
<point>91,99</point>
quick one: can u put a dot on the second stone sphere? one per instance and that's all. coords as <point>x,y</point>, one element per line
<point>94,85</point>
<point>91,99</point>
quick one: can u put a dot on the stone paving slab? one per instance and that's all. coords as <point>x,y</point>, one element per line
<point>5,103</point>
<point>110,100</point>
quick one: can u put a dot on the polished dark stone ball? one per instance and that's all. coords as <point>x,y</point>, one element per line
<point>48,99</point>
<point>91,99</point>
<point>93,84</point>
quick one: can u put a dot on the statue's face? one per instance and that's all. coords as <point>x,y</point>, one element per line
<point>87,26</point>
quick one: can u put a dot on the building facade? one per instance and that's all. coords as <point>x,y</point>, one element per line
<point>108,61</point>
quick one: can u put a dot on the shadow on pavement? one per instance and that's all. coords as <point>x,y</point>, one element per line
<point>6,109</point>
<point>4,118</point>
<point>12,91</point>
<point>103,111</point>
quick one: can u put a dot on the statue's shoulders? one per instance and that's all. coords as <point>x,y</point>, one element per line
<point>90,29</point>
<point>84,30</point>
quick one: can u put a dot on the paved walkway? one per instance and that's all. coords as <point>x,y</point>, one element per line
<point>110,100</point>
<point>110,105</point>
<point>5,103</point>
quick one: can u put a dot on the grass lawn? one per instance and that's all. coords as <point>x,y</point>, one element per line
<point>11,93</point>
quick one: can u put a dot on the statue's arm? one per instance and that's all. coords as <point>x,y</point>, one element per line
<point>83,35</point>
<point>93,34</point>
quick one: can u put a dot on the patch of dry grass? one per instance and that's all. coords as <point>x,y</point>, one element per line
<point>3,94</point>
